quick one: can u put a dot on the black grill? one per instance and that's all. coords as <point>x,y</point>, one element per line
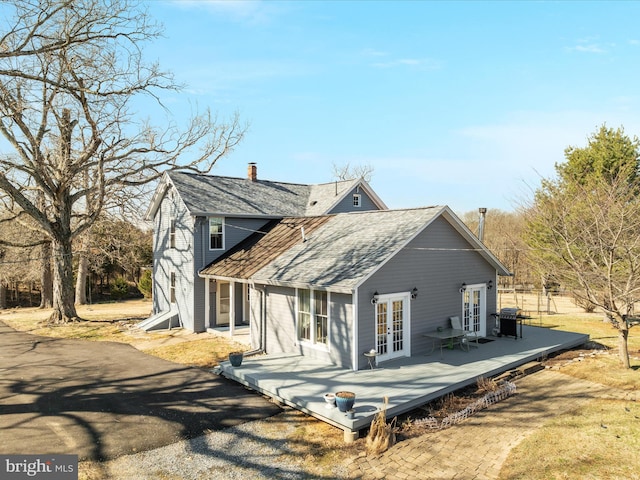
<point>509,318</point>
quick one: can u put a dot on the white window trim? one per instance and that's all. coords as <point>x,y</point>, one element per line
<point>224,234</point>
<point>312,343</point>
<point>357,200</point>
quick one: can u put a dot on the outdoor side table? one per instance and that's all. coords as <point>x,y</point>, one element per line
<point>371,358</point>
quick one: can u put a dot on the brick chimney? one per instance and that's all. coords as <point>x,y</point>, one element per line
<point>252,172</point>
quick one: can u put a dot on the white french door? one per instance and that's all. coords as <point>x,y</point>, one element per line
<point>392,326</point>
<point>474,312</point>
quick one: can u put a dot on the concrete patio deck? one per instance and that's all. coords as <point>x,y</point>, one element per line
<point>408,382</point>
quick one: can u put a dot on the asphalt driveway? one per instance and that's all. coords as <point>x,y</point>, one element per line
<point>100,400</point>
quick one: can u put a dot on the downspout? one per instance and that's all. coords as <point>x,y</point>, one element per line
<point>355,356</point>
<point>263,323</point>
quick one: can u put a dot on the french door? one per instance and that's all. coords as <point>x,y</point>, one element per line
<point>392,326</point>
<point>474,311</point>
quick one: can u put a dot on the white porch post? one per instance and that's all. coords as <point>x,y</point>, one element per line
<point>232,308</point>
<point>207,320</point>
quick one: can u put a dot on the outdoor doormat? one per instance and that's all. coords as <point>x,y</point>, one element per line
<point>485,340</point>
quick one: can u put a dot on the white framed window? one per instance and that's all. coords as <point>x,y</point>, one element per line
<point>357,200</point>
<point>172,287</point>
<point>172,233</point>
<point>313,317</point>
<point>216,233</point>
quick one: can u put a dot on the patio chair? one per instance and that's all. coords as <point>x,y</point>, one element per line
<point>470,335</point>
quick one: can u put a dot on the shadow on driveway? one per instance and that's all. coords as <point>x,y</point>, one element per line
<point>100,400</point>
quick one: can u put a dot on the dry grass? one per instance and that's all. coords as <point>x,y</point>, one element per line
<point>205,353</point>
<point>599,441</point>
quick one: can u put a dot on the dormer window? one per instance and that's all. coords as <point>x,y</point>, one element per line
<point>216,233</point>
<point>356,200</point>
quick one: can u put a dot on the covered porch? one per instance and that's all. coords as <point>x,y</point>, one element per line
<point>408,382</point>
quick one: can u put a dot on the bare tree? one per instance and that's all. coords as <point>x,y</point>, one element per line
<point>69,72</point>
<point>584,227</point>
<point>350,172</point>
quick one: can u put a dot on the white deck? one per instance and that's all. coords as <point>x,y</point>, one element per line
<point>407,382</point>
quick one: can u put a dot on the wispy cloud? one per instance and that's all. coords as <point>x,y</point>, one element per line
<point>590,45</point>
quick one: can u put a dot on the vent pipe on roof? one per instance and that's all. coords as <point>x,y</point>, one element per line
<point>252,171</point>
<point>482,212</point>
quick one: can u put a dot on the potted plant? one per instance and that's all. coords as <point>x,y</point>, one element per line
<point>345,400</point>
<point>235,358</point>
<point>330,398</point>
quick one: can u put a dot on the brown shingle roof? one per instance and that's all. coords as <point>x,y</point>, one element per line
<point>259,249</point>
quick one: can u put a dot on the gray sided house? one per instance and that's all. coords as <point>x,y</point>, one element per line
<point>326,271</point>
<point>200,218</point>
<point>333,287</point>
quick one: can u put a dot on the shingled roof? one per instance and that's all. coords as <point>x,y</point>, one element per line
<point>262,247</point>
<point>337,252</point>
<point>230,196</point>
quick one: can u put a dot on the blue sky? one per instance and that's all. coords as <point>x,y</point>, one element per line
<point>458,103</point>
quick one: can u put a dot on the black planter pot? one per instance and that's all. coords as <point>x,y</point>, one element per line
<point>235,359</point>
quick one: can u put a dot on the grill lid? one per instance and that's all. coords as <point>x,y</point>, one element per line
<point>510,313</point>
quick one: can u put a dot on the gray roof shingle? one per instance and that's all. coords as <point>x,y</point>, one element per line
<point>209,194</point>
<point>348,248</point>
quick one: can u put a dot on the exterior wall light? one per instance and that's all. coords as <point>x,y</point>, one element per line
<point>489,284</point>
<point>374,299</point>
<point>463,287</point>
<point>414,293</point>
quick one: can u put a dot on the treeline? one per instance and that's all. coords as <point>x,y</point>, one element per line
<point>112,260</point>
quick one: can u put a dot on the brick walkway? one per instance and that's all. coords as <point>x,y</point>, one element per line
<point>477,448</point>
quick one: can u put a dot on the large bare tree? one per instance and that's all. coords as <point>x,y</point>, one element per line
<point>583,227</point>
<point>69,74</point>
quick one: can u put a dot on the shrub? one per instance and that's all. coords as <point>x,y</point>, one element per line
<point>119,288</point>
<point>145,284</point>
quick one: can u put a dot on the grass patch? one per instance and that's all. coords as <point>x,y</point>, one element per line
<point>593,325</point>
<point>607,370</point>
<point>599,441</point>
<point>206,353</point>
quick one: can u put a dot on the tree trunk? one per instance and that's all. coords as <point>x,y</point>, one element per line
<point>623,346</point>
<point>3,296</point>
<point>46,279</point>
<point>64,310</point>
<point>81,281</point>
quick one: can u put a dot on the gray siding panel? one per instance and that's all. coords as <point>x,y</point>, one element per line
<point>178,260</point>
<point>281,330</point>
<point>281,327</point>
<point>436,262</point>
<point>341,328</point>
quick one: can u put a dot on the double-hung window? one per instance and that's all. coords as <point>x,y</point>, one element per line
<point>313,317</point>
<point>216,233</point>
<point>172,233</point>
<point>357,200</point>
<point>172,288</point>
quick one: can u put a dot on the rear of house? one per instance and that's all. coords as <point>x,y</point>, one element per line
<point>371,280</point>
